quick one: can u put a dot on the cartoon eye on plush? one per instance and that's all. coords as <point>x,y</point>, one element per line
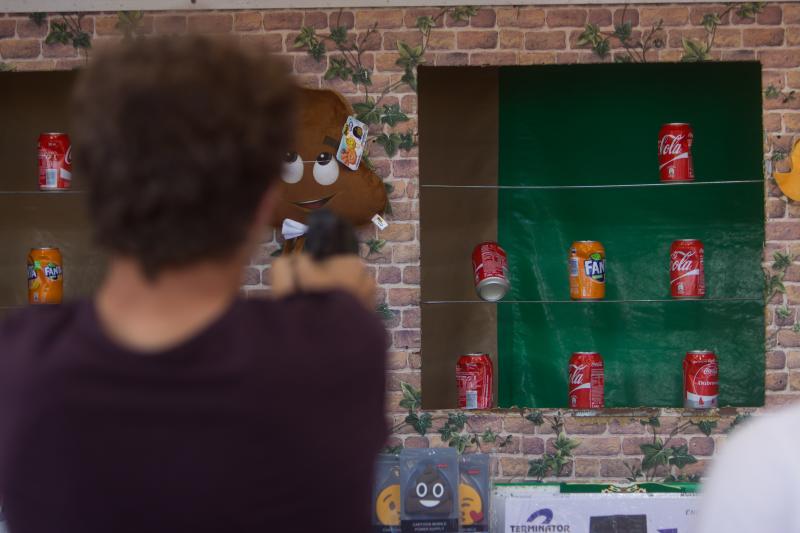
<point>312,178</point>
<point>429,494</point>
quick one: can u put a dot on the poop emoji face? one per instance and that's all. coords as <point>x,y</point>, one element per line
<point>429,493</point>
<point>387,506</point>
<point>312,178</point>
<point>471,505</point>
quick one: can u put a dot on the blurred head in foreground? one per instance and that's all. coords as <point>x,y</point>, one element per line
<point>180,141</point>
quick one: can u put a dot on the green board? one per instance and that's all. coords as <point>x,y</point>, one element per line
<point>563,128</point>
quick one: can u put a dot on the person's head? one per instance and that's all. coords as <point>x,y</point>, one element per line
<point>179,141</point>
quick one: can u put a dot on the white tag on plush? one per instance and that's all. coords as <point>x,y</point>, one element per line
<point>380,222</point>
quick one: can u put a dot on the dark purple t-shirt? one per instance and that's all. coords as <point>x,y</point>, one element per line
<point>266,421</point>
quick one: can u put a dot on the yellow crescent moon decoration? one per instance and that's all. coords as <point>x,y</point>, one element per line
<point>789,182</point>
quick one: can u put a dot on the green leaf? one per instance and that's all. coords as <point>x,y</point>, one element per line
<point>461,13</point>
<point>421,423</point>
<point>362,76</point>
<point>680,456</point>
<point>602,48</point>
<point>623,31</point>
<point>783,312</point>
<point>772,92</point>
<point>778,154</point>
<point>590,35</point>
<point>459,442</point>
<point>386,314</point>
<point>538,468</point>
<point>391,115</point>
<point>706,426</point>
<point>338,69</point>
<point>129,22</point>
<point>366,112</point>
<point>489,436</point>
<point>394,450</point>
<point>425,24</point>
<point>389,187</point>
<point>59,34</point>
<point>653,422</point>
<point>38,18</point>
<point>536,417</point>
<point>390,143</point>
<point>5,67</point>
<point>710,21</point>
<point>506,441</point>
<point>82,40</point>
<point>404,50</point>
<point>655,455</point>
<point>339,35</point>
<point>412,398</point>
<point>407,141</point>
<point>565,445</point>
<point>749,10</point>
<point>739,419</point>
<point>694,51</point>
<point>410,79</point>
<point>781,261</point>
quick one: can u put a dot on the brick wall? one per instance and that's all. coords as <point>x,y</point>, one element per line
<point>501,36</point>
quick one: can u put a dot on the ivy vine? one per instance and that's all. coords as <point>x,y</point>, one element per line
<point>69,30</point>
<point>552,463</point>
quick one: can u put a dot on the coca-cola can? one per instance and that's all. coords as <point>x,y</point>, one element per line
<point>55,161</point>
<point>490,265</point>
<point>474,374</point>
<point>675,152</point>
<point>687,278</point>
<point>586,381</point>
<point>700,380</point>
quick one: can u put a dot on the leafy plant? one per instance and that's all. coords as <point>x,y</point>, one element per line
<point>374,246</point>
<point>69,31</point>
<point>129,23</point>
<point>384,312</point>
<point>5,67</point>
<point>552,463</point>
<point>783,312</point>
<point>38,18</point>
<point>772,92</point>
<point>658,455</point>
<point>773,279</point>
<point>695,50</point>
<point>635,49</point>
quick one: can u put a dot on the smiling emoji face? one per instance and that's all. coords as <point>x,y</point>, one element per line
<point>471,505</point>
<point>312,178</point>
<point>429,494</point>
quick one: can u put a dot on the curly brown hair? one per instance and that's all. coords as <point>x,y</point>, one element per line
<point>178,140</point>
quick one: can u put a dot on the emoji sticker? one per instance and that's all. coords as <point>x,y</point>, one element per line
<point>386,495</point>
<point>428,483</point>
<point>473,492</point>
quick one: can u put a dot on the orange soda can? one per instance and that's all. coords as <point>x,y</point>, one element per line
<point>45,276</point>
<point>587,271</point>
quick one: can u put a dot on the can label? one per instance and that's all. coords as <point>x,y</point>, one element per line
<point>587,271</point>
<point>490,266</point>
<point>675,152</point>
<point>686,269</point>
<point>45,276</point>
<point>55,161</point>
<point>474,374</point>
<point>586,381</point>
<point>700,380</point>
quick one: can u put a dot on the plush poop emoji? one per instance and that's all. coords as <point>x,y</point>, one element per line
<point>312,178</point>
<point>429,494</point>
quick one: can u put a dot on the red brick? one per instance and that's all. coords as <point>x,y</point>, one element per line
<point>598,446</point>
<point>794,380</point>
<point>625,426</point>
<point>283,20</point>
<point>415,360</point>
<point>773,123</point>
<point>411,318</point>
<point>671,15</point>
<point>27,28</point>
<point>696,14</point>
<point>411,275</point>
<point>485,18</point>
<point>210,23</point>
<point>35,66</point>
<point>318,20</point>
<point>304,64</point>
<point>388,274</point>
<point>518,424</point>
<point>585,426</point>
<point>783,230</point>
<point>247,21</point>
<point>413,14</point>
<point>631,15</point>
<point>398,232</point>
<point>251,276</point>
<point>268,42</point>
<point>406,338</point>
<point>587,468</point>
<point>600,17</point>
<point>793,359</point>
<point>442,40</point>
<point>780,400</point>
<point>514,466</point>
<point>776,381</point>
<point>403,297</point>
<point>380,18</point>
<point>781,58</point>
<point>793,35</point>
<point>791,14</point>
<point>537,58</point>
<point>770,15</point>
<point>701,446</point>
<point>416,442</point>
<point>405,253</point>
<point>59,50</point>
<point>170,24</point>
<point>410,37</point>
<point>521,17</point>
<point>545,40</point>
<point>369,42</point>
<point>616,468</point>
<point>467,40</point>
<point>532,445</point>
<point>560,17</point>
<point>493,58</point>
<point>107,25</point>
<point>512,39</point>
<point>20,49</point>
<point>397,360</point>
<point>762,36</point>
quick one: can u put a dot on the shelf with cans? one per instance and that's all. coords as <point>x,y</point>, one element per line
<point>564,304</point>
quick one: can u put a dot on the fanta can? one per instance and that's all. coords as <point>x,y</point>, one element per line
<point>45,276</point>
<point>587,271</point>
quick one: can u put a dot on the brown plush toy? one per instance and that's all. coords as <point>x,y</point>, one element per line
<point>313,178</point>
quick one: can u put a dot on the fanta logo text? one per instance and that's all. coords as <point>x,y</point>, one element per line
<point>595,269</point>
<point>671,145</point>
<point>52,272</point>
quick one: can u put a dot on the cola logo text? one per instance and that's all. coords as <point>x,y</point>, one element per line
<point>671,145</point>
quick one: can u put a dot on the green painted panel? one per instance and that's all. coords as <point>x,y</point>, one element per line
<point>597,125</point>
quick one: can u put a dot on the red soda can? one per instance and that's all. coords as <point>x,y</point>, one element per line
<point>490,264</point>
<point>675,152</point>
<point>687,277</point>
<point>55,161</point>
<point>474,375</point>
<point>700,380</point>
<point>586,381</point>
